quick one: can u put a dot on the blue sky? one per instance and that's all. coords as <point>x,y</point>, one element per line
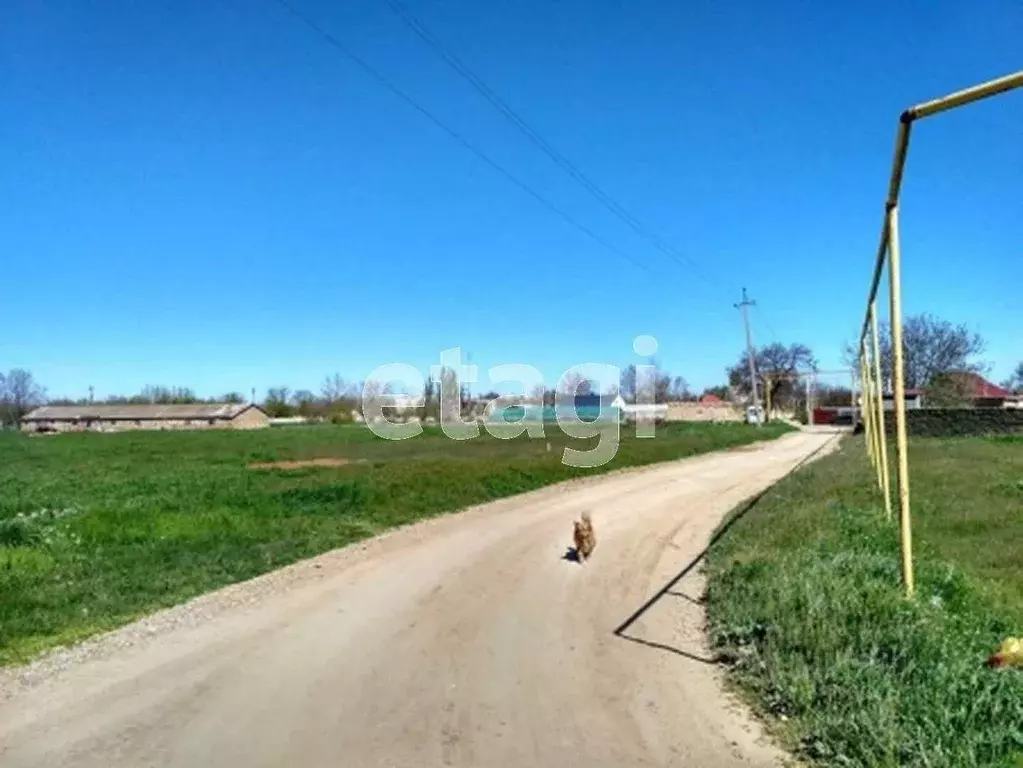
<point>206,194</point>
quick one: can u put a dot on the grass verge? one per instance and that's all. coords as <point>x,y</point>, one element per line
<point>805,604</point>
<point>96,530</point>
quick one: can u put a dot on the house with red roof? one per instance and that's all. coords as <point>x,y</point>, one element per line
<point>983,394</point>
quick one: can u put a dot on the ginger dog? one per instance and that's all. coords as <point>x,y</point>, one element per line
<point>585,538</point>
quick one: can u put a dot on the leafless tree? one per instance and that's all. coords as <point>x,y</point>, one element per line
<point>153,394</point>
<point>627,384</point>
<point>574,384</point>
<point>679,390</point>
<point>276,403</point>
<point>335,388</point>
<point>304,402</point>
<point>931,347</point>
<point>776,363</point>
<point>1015,381</point>
<point>19,394</point>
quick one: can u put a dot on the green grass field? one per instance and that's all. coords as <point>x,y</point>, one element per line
<point>138,521</point>
<point>806,604</point>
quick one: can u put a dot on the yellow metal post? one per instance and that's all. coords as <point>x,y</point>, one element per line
<point>866,411</point>
<point>876,429</point>
<point>889,246</point>
<point>965,96</point>
<point>898,374</point>
<point>879,405</point>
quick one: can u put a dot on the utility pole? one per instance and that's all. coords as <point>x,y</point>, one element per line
<point>743,307</point>
<point>809,408</point>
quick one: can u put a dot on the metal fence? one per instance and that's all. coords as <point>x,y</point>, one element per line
<point>869,352</point>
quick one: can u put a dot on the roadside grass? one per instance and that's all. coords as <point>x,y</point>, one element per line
<point>805,604</point>
<point>96,530</point>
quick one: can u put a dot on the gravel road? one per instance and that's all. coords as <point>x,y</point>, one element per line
<point>467,640</point>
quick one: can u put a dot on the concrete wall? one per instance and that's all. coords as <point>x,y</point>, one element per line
<point>253,418</point>
<point>698,412</point>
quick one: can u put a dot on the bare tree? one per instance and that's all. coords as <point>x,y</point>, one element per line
<point>776,363</point>
<point>276,403</point>
<point>335,388</point>
<point>679,390</point>
<point>574,384</point>
<point>370,397</point>
<point>652,384</point>
<point>1015,381</point>
<point>450,388</point>
<point>153,394</point>
<point>304,402</point>
<point>931,347</point>
<point>19,394</point>
<point>627,384</point>
<point>662,387</point>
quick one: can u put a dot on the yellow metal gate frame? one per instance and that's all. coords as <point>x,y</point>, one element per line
<point>869,353</point>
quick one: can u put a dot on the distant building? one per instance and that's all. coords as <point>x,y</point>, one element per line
<point>914,399</point>
<point>122,418</point>
<point>981,393</point>
<point>976,392</point>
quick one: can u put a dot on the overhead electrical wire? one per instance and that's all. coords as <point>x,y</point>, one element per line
<point>564,163</point>
<point>767,324</point>
<point>384,81</point>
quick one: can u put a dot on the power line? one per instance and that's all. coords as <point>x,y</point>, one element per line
<point>763,319</point>
<point>376,75</point>
<point>564,163</point>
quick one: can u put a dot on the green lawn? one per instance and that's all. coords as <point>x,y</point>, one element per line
<point>806,606</point>
<point>146,520</point>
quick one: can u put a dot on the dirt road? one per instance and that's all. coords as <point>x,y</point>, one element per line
<point>464,641</point>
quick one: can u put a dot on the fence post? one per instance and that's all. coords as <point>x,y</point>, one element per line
<point>881,431</point>
<point>899,375</point>
<point>866,411</point>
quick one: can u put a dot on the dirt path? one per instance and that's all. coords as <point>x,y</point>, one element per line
<point>464,641</point>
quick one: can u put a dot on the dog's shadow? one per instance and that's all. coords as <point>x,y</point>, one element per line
<point>571,554</point>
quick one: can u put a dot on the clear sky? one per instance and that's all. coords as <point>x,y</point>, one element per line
<point>204,193</point>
